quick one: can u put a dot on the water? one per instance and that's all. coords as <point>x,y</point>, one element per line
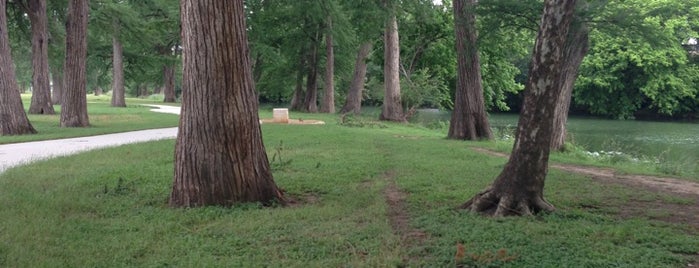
<point>642,140</point>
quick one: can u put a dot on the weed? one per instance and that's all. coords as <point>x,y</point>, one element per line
<point>278,162</point>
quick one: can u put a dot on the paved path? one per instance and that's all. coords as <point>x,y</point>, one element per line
<point>22,153</point>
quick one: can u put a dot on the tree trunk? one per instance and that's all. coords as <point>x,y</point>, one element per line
<point>519,189</point>
<point>57,91</point>
<point>74,109</point>
<point>98,91</point>
<point>169,83</point>
<point>310,102</point>
<point>13,119</point>
<point>574,52</point>
<point>297,98</point>
<point>328,105</point>
<point>118,94</point>
<point>219,155</point>
<point>41,88</point>
<point>353,103</point>
<point>469,120</point>
<point>392,109</point>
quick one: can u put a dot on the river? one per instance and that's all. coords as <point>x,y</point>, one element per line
<point>672,142</point>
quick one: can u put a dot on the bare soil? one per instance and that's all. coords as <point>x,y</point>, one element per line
<point>657,209</point>
<point>399,216</point>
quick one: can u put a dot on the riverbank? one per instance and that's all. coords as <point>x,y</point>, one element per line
<point>367,194</point>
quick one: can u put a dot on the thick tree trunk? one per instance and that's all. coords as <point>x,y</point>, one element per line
<point>519,189</point>
<point>74,109</point>
<point>169,83</point>
<point>310,101</point>
<point>353,103</point>
<point>118,92</point>
<point>98,91</point>
<point>298,97</point>
<point>57,91</point>
<point>328,105</point>
<point>574,52</point>
<point>392,109</point>
<point>41,88</point>
<point>219,155</point>
<point>469,120</point>
<point>13,119</point>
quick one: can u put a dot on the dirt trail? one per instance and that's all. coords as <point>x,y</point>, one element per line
<point>399,217</point>
<point>656,184</point>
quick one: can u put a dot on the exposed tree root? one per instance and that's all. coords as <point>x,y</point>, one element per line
<point>489,202</point>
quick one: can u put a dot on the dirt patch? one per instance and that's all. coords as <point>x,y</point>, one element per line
<point>399,217</point>
<point>293,122</point>
<point>655,209</point>
<point>302,199</point>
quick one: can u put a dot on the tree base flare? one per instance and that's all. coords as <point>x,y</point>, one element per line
<point>492,203</point>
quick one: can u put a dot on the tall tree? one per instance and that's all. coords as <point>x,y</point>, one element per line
<point>13,119</point>
<point>469,120</point>
<point>353,102</point>
<point>328,105</point>
<point>219,155</point>
<point>519,189</point>
<point>74,109</point>
<point>576,47</point>
<point>392,109</point>
<point>41,89</point>
<point>169,83</point>
<point>118,92</point>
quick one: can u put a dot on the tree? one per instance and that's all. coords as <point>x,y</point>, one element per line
<point>328,105</point>
<point>519,188</point>
<point>353,102</point>
<point>118,92</point>
<point>41,89</point>
<point>576,47</point>
<point>469,120</point>
<point>219,155</point>
<point>392,110</point>
<point>13,119</point>
<point>74,109</point>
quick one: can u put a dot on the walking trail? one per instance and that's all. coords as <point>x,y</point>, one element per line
<point>23,153</point>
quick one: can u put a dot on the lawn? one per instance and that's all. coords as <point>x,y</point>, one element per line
<point>108,208</point>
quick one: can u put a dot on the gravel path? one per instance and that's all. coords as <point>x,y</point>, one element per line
<point>16,154</point>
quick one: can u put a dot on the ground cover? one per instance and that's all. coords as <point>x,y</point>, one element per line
<point>366,194</point>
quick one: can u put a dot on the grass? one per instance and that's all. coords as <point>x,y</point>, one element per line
<point>107,208</point>
<point>104,119</point>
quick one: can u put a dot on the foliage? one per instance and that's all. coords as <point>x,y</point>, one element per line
<point>638,63</point>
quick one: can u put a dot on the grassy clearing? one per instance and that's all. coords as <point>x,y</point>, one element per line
<point>104,119</point>
<point>108,208</point>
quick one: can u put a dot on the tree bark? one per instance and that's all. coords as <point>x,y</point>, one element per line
<point>118,94</point>
<point>297,98</point>
<point>57,91</point>
<point>574,52</point>
<point>41,88</point>
<point>353,103</point>
<point>519,189</point>
<point>328,105</point>
<point>13,119</point>
<point>310,102</point>
<point>392,109</point>
<point>219,155</point>
<point>169,83</point>
<point>74,109</point>
<point>469,120</point>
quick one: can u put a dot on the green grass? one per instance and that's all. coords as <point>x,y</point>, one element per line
<point>107,208</point>
<point>104,119</point>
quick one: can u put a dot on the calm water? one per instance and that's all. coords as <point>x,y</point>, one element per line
<point>676,142</point>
